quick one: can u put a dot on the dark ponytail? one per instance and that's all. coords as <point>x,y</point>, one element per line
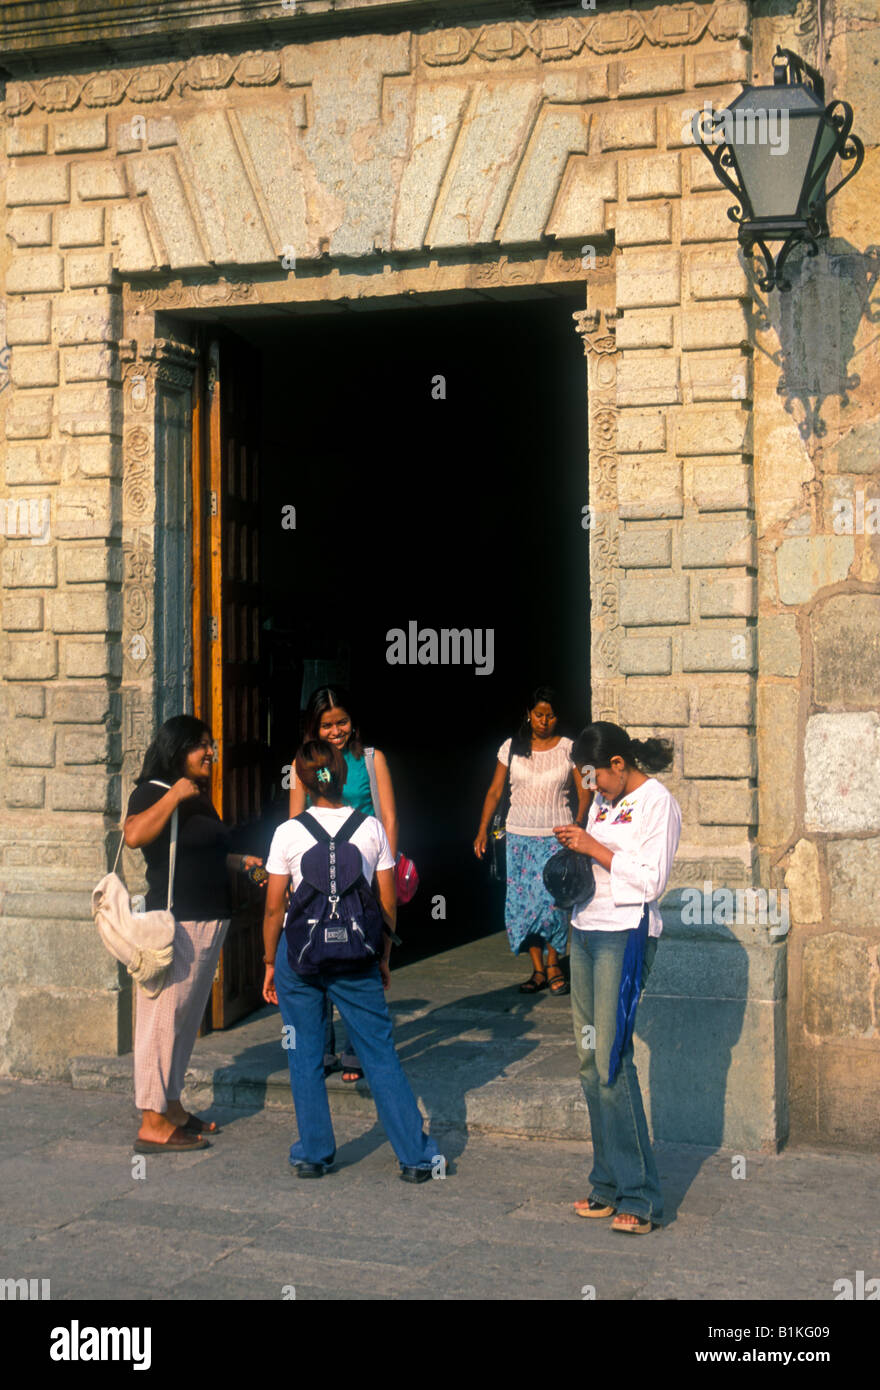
<point>318,756</point>
<point>598,743</point>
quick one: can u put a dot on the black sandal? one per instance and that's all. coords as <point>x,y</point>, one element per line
<point>559,984</point>
<point>530,986</point>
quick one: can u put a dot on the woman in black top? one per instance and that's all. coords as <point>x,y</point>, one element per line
<point>176,776</point>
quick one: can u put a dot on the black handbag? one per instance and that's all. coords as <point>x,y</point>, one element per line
<point>569,879</point>
<point>497,837</point>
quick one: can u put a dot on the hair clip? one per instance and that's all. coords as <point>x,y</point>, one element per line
<point>323,774</point>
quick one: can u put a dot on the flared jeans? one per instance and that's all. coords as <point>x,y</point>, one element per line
<point>624,1173</point>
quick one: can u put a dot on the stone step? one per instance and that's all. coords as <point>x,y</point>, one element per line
<point>535,1109</point>
<point>477,1053</point>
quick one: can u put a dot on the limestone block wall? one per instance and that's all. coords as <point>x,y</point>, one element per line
<point>475,157</point>
<point>817,470</point>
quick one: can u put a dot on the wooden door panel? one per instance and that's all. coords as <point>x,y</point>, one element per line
<point>229,611</point>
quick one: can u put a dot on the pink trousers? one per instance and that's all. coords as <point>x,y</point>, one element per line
<point>166,1027</point>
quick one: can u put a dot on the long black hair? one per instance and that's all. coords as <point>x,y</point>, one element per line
<point>165,759</point>
<point>598,743</point>
<point>331,697</point>
<point>521,743</point>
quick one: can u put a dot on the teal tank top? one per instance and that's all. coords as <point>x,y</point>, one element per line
<point>356,791</point>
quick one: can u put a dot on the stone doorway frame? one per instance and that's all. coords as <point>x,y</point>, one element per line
<point>159,369</point>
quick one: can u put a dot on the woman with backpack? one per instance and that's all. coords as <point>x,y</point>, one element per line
<point>536,764</point>
<point>330,715</point>
<point>176,776</point>
<point>335,949</point>
<point>632,836</point>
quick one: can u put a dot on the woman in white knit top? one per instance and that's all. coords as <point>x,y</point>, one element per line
<point>540,770</point>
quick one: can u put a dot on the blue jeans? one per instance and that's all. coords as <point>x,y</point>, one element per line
<point>624,1173</point>
<point>360,999</point>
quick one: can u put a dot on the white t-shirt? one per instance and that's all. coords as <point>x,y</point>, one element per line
<point>537,789</point>
<point>291,840</point>
<point>643,829</point>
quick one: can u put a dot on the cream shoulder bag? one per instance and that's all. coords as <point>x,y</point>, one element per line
<point>142,941</point>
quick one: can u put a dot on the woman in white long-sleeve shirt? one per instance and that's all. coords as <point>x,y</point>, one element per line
<point>632,835</point>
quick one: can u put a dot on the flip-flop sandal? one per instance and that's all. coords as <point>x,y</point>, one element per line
<point>352,1074</point>
<point>530,986</point>
<point>593,1208</point>
<point>640,1227</point>
<point>194,1125</point>
<point>178,1141</point>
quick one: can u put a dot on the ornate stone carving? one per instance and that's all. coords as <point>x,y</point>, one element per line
<point>664,26</point>
<point>135,730</point>
<point>19,98</point>
<point>153,84</point>
<point>548,40</point>
<point>105,88</point>
<point>668,26</point>
<point>615,33</point>
<point>224,291</point>
<point>208,71</point>
<point>447,46</point>
<point>137,443</point>
<point>597,331</point>
<point>58,93</point>
<point>604,703</point>
<point>502,41</point>
<point>505,271</point>
<point>558,38</point>
<point>257,69</point>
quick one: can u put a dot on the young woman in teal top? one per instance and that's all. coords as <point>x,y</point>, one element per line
<point>329,716</point>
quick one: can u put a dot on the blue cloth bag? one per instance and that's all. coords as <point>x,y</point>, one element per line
<point>630,989</point>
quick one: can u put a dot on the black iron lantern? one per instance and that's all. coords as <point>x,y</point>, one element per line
<point>773,147</point>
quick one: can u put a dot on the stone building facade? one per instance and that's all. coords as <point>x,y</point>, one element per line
<point>276,154</point>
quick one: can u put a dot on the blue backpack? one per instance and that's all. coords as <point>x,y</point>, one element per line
<point>334,922</point>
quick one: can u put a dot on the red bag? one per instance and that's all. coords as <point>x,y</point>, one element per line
<point>406,878</point>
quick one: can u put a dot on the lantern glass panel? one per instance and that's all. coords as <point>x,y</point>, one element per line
<point>828,137</point>
<point>772,133</point>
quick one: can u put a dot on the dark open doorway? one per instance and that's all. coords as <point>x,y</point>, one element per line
<point>423,467</point>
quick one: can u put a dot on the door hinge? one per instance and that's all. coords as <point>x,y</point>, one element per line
<point>214,629</point>
<point>213,504</point>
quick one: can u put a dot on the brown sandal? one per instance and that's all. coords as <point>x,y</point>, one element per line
<point>178,1141</point>
<point>195,1125</point>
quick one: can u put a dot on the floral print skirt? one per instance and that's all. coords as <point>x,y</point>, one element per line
<point>529,914</point>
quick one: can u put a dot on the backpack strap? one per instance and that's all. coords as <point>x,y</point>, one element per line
<point>316,829</point>
<point>370,760</point>
<point>172,851</point>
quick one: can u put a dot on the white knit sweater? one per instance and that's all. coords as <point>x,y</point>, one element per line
<point>537,789</point>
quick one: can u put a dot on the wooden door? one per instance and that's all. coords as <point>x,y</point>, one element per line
<point>226,621</point>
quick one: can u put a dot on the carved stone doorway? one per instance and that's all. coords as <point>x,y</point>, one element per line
<point>428,466</point>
